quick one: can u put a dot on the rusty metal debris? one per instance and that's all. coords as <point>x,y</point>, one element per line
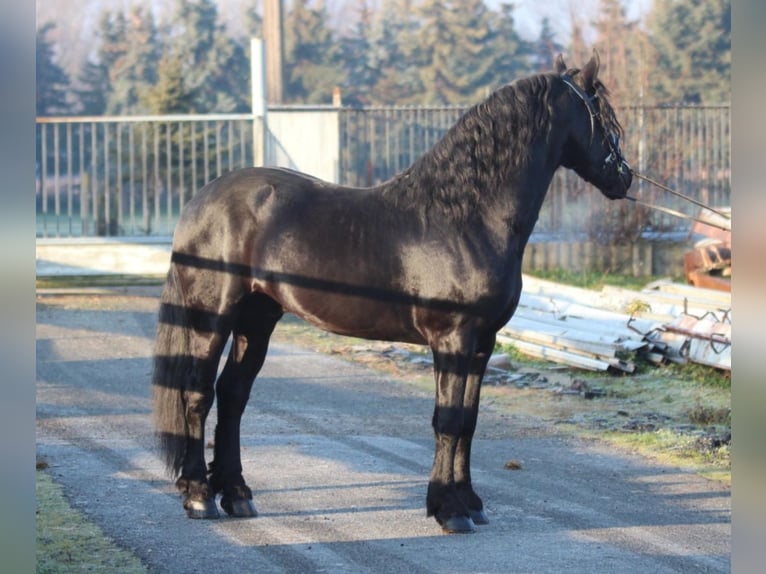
<point>709,263</point>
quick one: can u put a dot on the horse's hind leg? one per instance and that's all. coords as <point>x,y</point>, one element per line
<point>471,414</point>
<point>256,317</point>
<point>199,500</point>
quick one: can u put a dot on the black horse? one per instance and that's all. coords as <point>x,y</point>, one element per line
<point>432,256</point>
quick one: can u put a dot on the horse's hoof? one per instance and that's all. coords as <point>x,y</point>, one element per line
<point>239,507</point>
<point>457,525</point>
<point>205,509</point>
<point>479,517</point>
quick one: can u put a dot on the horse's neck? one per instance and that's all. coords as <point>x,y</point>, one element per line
<point>504,189</point>
<point>511,211</point>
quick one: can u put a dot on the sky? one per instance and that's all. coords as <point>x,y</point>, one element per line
<point>78,19</point>
<point>529,13</point>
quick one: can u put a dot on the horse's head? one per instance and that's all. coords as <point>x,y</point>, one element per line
<point>592,148</point>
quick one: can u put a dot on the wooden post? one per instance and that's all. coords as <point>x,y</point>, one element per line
<point>272,36</point>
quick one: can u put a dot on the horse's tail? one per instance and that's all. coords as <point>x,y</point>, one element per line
<point>172,356</point>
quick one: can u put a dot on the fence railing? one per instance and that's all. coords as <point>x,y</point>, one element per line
<point>688,147</point>
<point>131,176</point>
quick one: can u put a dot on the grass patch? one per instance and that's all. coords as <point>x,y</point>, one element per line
<point>706,415</point>
<point>65,282</point>
<point>682,450</point>
<point>593,279</point>
<point>519,358</point>
<point>68,542</point>
<point>701,375</point>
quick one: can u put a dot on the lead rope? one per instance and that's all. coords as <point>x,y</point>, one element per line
<point>675,213</point>
<point>681,195</point>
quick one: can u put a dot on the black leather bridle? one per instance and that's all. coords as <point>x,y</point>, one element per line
<point>612,139</point>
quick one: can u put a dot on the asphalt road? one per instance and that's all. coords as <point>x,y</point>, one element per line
<point>339,458</point>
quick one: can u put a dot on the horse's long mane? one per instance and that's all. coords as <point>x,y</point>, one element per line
<point>491,141</point>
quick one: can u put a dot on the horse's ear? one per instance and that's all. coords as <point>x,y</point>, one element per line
<point>590,71</point>
<point>561,67</point>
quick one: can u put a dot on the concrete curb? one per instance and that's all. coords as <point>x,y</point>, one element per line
<point>82,257</point>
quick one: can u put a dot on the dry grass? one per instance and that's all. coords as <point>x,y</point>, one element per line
<point>67,541</point>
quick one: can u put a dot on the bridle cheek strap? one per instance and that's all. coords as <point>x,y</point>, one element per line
<point>587,100</point>
<point>613,141</point>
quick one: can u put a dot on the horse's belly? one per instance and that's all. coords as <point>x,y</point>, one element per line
<point>367,321</point>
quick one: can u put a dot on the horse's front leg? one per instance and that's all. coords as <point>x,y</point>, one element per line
<point>471,414</point>
<point>451,364</point>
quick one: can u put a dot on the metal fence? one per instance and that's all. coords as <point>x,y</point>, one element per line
<point>687,147</point>
<point>131,176</point>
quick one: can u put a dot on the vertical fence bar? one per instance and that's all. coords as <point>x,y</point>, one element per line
<point>372,132</point>
<point>384,118</point>
<point>205,152</point>
<point>218,149</point>
<point>132,177</point>
<point>678,156</point>
<point>157,178</point>
<point>146,213</point>
<point>43,178</point>
<point>118,176</point>
<point>107,199</point>
<point>181,190</point>
<point>243,144</point>
<point>414,134</point>
<point>56,172</point>
<point>69,177</point>
<point>231,144</point>
<point>193,140</point>
<point>83,182</point>
<point>94,175</point>
<point>168,178</point>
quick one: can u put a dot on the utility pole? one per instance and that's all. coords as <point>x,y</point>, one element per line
<point>274,48</point>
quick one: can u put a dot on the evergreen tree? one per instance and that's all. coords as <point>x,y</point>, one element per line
<point>359,59</point>
<point>510,53</point>
<point>94,79</point>
<point>616,41</point>
<point>393,49</point>
<point>112,50</point>
<point>93,92</point>
<point>312,56</point>
<point>124,65</point>
<point>578,47</point>
<point>454,56</point>
<point>545,49</point>
<point>693,43</point>
<point>215,67</point>
<point>170,94</point>
<point>51,80</point>
<point>253,24</point>
<point>133,65</point>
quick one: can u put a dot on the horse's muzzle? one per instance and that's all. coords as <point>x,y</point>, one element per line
<point>623,180</point>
